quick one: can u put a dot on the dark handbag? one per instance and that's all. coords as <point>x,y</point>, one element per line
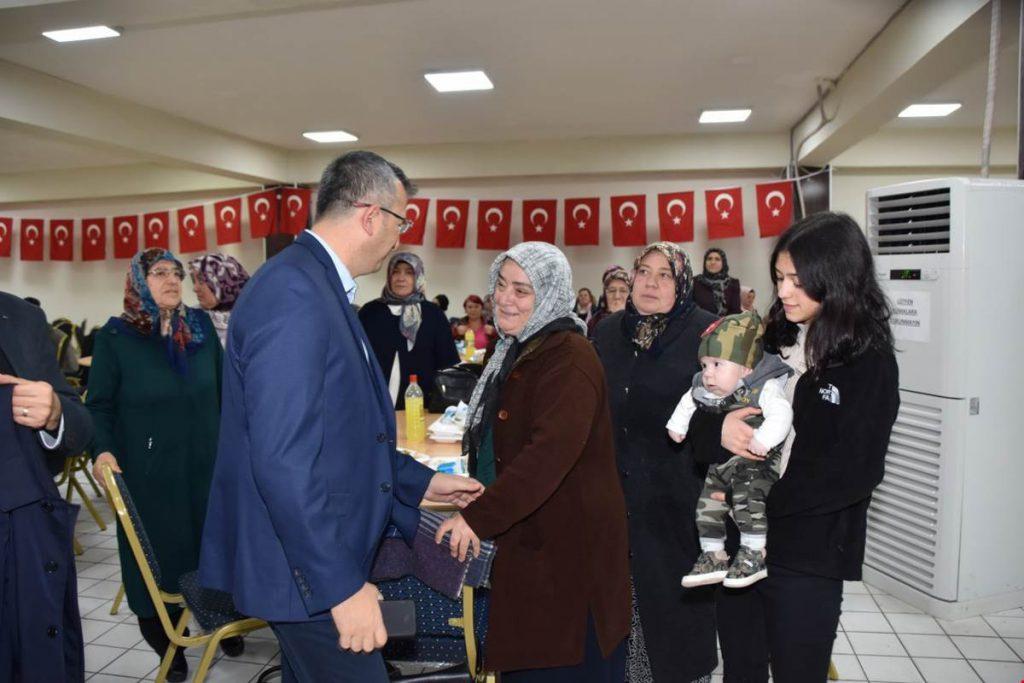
<point>453,385</point>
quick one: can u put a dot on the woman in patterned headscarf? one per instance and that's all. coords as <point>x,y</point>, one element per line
<point>217,280</point>
<point>154,397</point>
<point>409,335</point>
<point>649,353</point>
<point>539,437</point>
<point>714,290</point>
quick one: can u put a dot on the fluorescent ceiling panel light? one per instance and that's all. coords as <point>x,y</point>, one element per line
<point>330,136</point>
<point>85,33</point>
<point>724,115</point>
<point>459,81</point>
<point>925,110</point>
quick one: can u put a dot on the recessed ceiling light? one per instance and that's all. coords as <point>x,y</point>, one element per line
<point>329,136</point>
<point>85,33</point>
<point>724,115</point>
<point>459,81</point>
<point>924,110</point>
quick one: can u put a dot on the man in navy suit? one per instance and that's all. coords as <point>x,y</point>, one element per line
<point>307,475</point>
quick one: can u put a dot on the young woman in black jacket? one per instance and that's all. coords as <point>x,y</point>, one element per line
<point>830,321</point>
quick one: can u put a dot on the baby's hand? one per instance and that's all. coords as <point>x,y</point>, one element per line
<point>757,448</point>
<point>676,436</point>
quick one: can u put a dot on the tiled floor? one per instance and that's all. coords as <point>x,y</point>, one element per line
<point>880,638</point>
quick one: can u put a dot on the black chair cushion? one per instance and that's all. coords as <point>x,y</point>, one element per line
<point>212,608</point>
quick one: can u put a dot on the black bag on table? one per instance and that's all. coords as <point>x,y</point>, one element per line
<point>453,385</point>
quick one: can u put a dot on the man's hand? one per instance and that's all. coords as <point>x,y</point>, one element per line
<point>359,621</point>
<point>105,457</point>
<point>450,488</point>
<point>36,405</point>
<point>463,537</point>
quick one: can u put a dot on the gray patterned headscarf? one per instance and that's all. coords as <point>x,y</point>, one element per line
<point>551,278</point>
<point>411,314</point>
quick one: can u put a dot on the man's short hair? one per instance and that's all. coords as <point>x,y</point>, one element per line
<point>359,177</point>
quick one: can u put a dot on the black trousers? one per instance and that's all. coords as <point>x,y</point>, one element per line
<point>789,618</point>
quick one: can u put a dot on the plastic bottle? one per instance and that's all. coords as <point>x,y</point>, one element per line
<point>470,345</point>
<point>415,426</point>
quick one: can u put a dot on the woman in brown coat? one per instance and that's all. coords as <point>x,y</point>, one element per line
<point>540,439</point>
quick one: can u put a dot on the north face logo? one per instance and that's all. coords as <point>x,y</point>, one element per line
<point>829,393</point>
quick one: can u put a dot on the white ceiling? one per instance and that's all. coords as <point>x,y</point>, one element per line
<point>26,151</point>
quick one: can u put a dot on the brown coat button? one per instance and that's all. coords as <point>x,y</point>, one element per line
<point>516,374</point>
<point>502,414</point>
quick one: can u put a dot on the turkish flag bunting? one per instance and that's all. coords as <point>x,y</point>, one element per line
<point>6,236</point>
<point>62,243</point>
<point>452,217</point>
<point>94,239</point>
<point>629,220</point>
<point>126,236</point>
<point>155,228</point>
<point>192,229</point>
<point>774,207</point>
<point>31,239</point>
<point>295,210</point>
<point>582,226</point>
<point>415,211</point>
<point>675,216</point>
<point>262,213</point>
<point>493,224</point>
<point>725,213</point>
<point>227,216</point>
<point>539,218</point>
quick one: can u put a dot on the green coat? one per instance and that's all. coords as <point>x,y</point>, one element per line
<point>162,428</point>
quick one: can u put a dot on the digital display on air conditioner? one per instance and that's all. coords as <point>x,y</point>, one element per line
<point>905,274</point>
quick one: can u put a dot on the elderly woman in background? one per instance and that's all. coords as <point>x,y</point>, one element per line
<point>539,437</point>
<point>714,290</point>
<point>616,291</point>
<point>217,280</point>
<point>585,306</point>
<point>409,335</point>
<point>649,353</point>
<point>474,320</point>
<point>154,396</point>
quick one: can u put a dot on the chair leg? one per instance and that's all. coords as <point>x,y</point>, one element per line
<point>468,630</point>
<point>165,663</point>
<point>87,503</point>
<point>208,653</point>
<point>833,673</point>
<point>117,600</point>
<point>77,546</point>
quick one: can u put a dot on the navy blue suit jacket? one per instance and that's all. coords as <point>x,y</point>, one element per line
<point>307,476</point>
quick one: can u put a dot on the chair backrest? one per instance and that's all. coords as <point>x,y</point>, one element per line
<point>124,507</point>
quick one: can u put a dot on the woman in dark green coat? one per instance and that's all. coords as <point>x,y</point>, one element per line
<point>154,395</point>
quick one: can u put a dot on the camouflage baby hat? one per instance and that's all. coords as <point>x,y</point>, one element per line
<point>737,338</point>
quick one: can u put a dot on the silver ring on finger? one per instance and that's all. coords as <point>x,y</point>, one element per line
<point>24,412</point>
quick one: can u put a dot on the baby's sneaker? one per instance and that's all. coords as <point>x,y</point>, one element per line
<point>709,568</point>
<point>747,567</point>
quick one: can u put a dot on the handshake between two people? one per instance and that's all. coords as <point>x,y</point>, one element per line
<point>358,619</point>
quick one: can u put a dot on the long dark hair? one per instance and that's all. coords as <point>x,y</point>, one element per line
<point>834,264</point>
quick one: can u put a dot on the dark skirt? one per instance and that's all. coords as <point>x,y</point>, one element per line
<point>593,669</point>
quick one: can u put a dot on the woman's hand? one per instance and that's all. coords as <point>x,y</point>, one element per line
<point>97,473</point>
<point>460,330</point>
<point>736,434</point>
<point>463,537</point>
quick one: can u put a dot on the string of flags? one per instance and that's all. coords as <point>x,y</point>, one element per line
<point>287,211</point>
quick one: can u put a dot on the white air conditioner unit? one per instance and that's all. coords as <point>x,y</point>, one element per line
<point>946,525</point>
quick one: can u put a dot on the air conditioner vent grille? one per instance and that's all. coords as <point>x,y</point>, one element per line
<point>910,223</point>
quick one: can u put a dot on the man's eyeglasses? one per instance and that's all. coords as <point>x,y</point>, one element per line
<point>403,223</point>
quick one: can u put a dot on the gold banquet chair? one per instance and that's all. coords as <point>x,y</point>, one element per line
<point>214,611</point>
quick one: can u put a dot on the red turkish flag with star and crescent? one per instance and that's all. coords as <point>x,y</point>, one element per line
<point>725,212</point>
<point>295,209</point>
<point>31,239</point>
<point>6,236</point>
<point>62,243</point>
<point>493,224</point>
<point>675,216</point>
<point>452,218</point>
<point>192,229</point>
<point>774,207</point>
<point>227,217</point>
<point>94,239</point>
<point>156,229</point>
<point>539,219</point>
<point>262,214</point>
<point>415,211</point>
<point>629,220</point>
<point>125,236</point>
<point>582,226</point>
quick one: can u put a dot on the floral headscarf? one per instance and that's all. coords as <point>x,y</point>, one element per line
<point>412,314</point>
<point>223,274</point>
<point>142,316</point>
<point>644,330</point>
